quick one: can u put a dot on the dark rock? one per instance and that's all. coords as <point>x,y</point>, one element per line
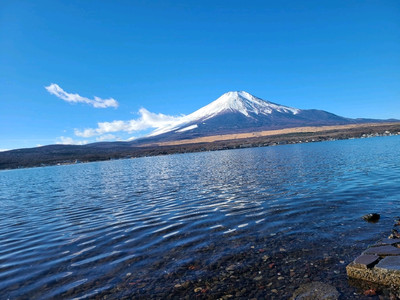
<point>366,261</point>
<point>387,250</point>
<point>374,217</point>
<point>315,290</point>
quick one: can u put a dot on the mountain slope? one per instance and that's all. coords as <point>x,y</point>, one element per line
<point>236,112</point>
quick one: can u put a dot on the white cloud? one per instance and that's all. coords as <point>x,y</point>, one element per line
<point>62,140</point>
<point>3,150</point>
<point>97,102</point>
<point>145,121</point>
<point>106,137</point>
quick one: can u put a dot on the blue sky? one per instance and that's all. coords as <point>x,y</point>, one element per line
<point>168,58</point>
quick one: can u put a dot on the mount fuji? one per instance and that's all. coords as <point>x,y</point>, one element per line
<point>232,113</point>
<point>239,112</point>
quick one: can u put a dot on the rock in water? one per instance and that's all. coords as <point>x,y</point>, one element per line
<point>315,291</point>
<point>374,217</point>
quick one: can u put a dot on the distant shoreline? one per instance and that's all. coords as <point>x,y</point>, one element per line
<point>71,154</point>
<point>265,133</point>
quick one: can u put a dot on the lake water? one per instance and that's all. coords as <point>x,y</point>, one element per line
<point>251,222</point>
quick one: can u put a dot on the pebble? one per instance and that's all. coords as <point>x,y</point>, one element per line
<point>230,268</point>
<point>226,278</point>
<point>370,292</point>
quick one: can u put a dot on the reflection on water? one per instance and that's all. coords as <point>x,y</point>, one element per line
<point>147,226</point>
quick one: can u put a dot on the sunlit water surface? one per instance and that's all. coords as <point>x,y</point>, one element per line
<point>228,222</point>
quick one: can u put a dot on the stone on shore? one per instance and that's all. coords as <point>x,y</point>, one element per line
<point>389,264</point>
<point>387,250</point>
<point>380,263</point>
<point>366,261</point>
<point>315,290</point>
<point>382,275</point>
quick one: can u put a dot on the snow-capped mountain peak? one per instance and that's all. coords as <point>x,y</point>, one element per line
<point>241,102</point>
<point>241,112</point>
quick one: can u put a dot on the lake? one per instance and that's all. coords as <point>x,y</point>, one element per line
<point>248,223</point>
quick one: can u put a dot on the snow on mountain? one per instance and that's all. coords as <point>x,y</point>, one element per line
<point>231,102</point>
<point>188,128</point>
<point>240,112</point>
<point>241,102</point>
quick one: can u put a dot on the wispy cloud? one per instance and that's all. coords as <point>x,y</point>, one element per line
<point>63,140</point>
<point>3,150</point>
<point>96,102</point>
<point>106,137</point>
<point>145,121</point>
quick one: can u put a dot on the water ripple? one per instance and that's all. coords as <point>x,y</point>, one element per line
<point>77,231</point>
